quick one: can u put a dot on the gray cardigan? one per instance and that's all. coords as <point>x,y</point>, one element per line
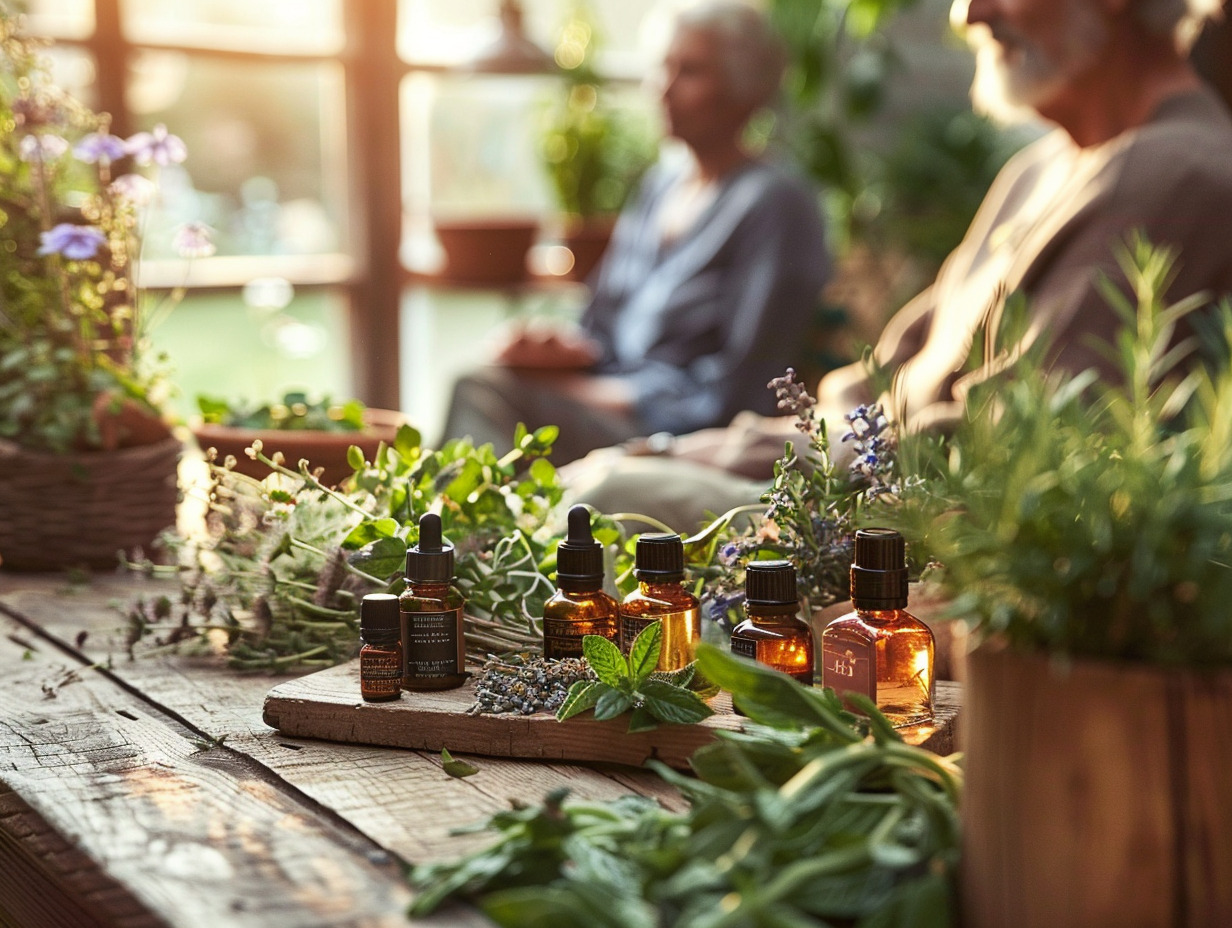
<point>700,325</point>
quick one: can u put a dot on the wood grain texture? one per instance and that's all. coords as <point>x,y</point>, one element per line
<point>327,705</point>
<point>194,833</point>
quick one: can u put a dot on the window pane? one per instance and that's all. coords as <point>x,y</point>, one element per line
<point>222,346</point>
<point>266,163</point>
<point>284,26</point>
<point>60,19</point>
<point>451,31</point>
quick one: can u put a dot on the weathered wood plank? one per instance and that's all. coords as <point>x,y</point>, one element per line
<point>195,833</point>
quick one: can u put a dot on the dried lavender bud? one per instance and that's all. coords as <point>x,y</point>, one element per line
<point>523,685</point>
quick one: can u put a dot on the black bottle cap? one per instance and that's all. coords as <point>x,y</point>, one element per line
<point>430,561</point>
<point>770,583</point>
<point>879,573</point>
<point>659,557</point>
<point>379,612</point>
<point>579,556</point>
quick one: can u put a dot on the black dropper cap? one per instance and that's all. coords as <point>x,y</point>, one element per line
<point>379,612</point>
<point>579,558</point>
<point>770,583</point>
<point>430,561</point>
<point>879,573</point>
<point>659,557</point>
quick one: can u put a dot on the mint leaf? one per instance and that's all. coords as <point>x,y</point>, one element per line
<point>456,768</point>
<point>583,695</point>
<point>612,702</point>
<point>605,660</point>
<point>673,704</point>
<point>642,720</point>
<point>644,655</point>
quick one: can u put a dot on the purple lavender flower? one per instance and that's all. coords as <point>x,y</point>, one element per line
<point>46,147</point>
<point>99,146</point>
<point>72,241</point>
<point>158,146</point>
<point>192,240</point>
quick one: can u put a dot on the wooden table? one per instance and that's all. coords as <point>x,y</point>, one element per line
<point>150,791</point>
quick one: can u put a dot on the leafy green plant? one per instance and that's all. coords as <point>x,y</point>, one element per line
<point>808,817</point>
<point>296,411</point>
<point>1090,516</point>
<point>74,323</point>
<point>631,684</point>
<point>594,152</point>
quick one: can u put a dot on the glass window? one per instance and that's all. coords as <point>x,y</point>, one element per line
<point>60,19</point>
<point>282,26</point>
<point>266,159</point>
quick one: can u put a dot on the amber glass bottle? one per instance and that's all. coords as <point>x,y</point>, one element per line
<point>661,597</point>
<point>881,650</point>
<point>579,607</point>
<point>380,652</point>
<point>433,642</point>
<point>774,634</point>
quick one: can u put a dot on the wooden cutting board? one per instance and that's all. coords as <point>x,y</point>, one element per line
<point>327,705</point>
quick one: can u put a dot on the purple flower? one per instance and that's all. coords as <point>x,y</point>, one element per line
<point>42,147</point>
<point>192,240</point>
<point>72,241</point>
<point>99,146</point>
<point>134,188</point>
<point>158,146</point>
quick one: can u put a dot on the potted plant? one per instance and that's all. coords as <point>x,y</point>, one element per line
<point>1086,531</point>
<point>320,432</point>
<point>594,152</point>
<point>87,460</point>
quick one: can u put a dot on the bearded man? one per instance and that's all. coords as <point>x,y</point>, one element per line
<point>1140,144</point>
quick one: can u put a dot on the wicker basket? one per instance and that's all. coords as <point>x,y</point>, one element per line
<point>74,510</point>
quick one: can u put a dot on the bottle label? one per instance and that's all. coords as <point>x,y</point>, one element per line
<point>562,638</point>
<point>380,672</point>
<point>849,667</point>
<point>431,644</point>
<point>745,647</point>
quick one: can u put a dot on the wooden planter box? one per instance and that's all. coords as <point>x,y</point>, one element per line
<point>1097,794</point>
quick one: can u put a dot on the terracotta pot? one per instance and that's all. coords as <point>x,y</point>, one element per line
<point>321,449</point>
<point>587,239</point>
<point>1097,794</point>
<point>486,252</point>
<point>79,510</point>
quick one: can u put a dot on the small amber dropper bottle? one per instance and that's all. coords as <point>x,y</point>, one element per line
<point>661,597</point>
<point>881,650</point>
<point>380,653</point>
<point>774,634</point>
<point>579,607</point>
<point>433,641</point>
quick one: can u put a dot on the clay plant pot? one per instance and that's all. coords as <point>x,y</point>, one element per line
<point>587,239</point>
<point>81,509</point>
<point>1097,794</point>
<point>485,252</point>
<point>320,449</point>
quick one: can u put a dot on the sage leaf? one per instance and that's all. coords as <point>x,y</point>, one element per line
<point>382,558</point>
<point>612,703</point>
<point>456,768</point>
<point>672,704</point>
<point>644,655</point>
<point>605,660</point>
<point>582,695</point>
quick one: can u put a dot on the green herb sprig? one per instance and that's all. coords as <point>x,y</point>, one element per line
<point>809,817</point>
<point>632,683</point>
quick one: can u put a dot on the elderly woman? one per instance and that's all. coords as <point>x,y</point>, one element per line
<point>708,286</point>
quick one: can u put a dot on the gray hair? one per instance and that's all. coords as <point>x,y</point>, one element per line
<point>1183,19</point>
<point>754,55</point>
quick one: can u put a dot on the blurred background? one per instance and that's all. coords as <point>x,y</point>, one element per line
<point>366,164</point>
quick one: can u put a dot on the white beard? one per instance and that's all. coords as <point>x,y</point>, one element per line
<point>1015,76</point>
